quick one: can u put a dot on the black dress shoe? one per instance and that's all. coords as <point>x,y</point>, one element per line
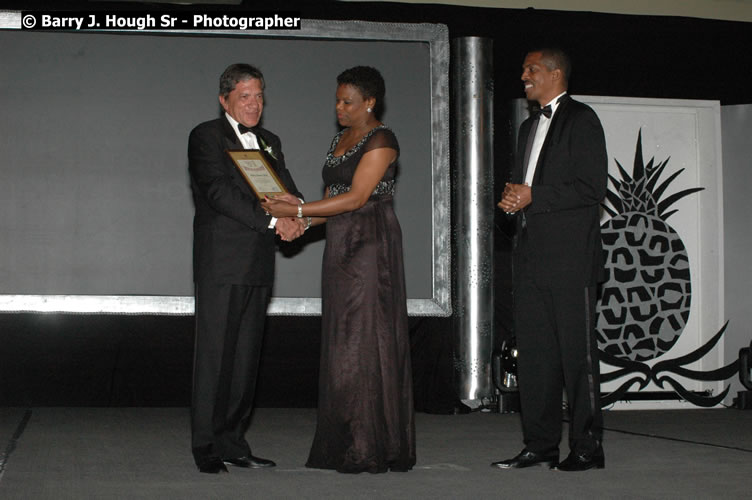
<point>528,459</point>
<point>249,462</point>
<point>576,462</point>
<point>212,465</point>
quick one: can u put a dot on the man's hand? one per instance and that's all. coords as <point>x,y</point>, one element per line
<point>515,197</point>
<point>289,228</point>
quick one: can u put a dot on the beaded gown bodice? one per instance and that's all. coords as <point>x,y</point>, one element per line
<point>338,171</point>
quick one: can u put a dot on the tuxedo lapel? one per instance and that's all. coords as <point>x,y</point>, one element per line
<point>264,142</point>
<point>529,146</point>
<point>231,138</point>
<point>518,174</point>
<point>552,136</point>
<point>231,142</point>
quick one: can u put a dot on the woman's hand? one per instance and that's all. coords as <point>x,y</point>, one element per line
<point>278,207</point>
<point>288,197</point>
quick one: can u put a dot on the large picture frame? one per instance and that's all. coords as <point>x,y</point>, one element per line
<point>437,302</point>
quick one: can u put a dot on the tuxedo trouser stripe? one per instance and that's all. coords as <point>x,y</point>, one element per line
<point>589,349</point>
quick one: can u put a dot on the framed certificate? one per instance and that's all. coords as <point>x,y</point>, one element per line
<point>257,172</point>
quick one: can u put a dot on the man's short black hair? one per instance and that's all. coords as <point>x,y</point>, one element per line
<point>555,58</point>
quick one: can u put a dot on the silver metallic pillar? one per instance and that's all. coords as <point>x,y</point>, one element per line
<point>473,210</point>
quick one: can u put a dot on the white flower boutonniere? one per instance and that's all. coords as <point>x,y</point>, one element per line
<point>266,147</point>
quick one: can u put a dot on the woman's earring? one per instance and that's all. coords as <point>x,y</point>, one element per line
<point>369,109</point>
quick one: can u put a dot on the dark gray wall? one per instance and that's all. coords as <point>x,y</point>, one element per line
<point>94,191</point>
<point>736,124</point>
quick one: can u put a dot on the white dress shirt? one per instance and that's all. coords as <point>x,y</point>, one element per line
<point>540,137</point>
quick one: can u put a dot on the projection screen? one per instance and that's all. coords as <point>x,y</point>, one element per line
<point>95,204</point>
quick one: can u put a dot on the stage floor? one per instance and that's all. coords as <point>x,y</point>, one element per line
<point>105,453</point>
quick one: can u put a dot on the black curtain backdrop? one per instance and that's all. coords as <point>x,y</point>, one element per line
<point>108,360</point>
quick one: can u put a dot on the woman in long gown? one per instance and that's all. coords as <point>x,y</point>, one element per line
<point>365,420</point>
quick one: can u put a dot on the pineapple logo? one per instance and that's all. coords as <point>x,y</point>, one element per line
<point>645,300</point>
<point>646,297</point>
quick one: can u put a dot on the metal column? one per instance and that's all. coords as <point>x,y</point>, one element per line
<point>473,208</point>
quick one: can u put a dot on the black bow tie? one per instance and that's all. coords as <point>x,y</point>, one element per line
<point>545,111</point>
<point>243,129</point>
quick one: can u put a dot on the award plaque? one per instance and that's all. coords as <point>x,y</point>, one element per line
<point>257,172</point>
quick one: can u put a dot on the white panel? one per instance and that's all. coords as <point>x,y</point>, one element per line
<point>687,133</point>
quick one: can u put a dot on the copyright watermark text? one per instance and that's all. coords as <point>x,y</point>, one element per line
<point>78,21</point>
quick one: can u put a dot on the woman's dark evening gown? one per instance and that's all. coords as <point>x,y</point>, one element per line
<point>365,414</point>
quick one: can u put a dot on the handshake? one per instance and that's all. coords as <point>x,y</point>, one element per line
<point>285,208</point>
<point>289,228</point>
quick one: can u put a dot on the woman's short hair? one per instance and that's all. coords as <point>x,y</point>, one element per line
<point>368,81</point>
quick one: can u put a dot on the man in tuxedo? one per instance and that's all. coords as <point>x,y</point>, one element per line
<point>557,184</point>
<point>233,268</point>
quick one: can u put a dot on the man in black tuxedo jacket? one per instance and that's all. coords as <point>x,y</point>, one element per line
<point>557,184</point>
<point>233,268</point>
